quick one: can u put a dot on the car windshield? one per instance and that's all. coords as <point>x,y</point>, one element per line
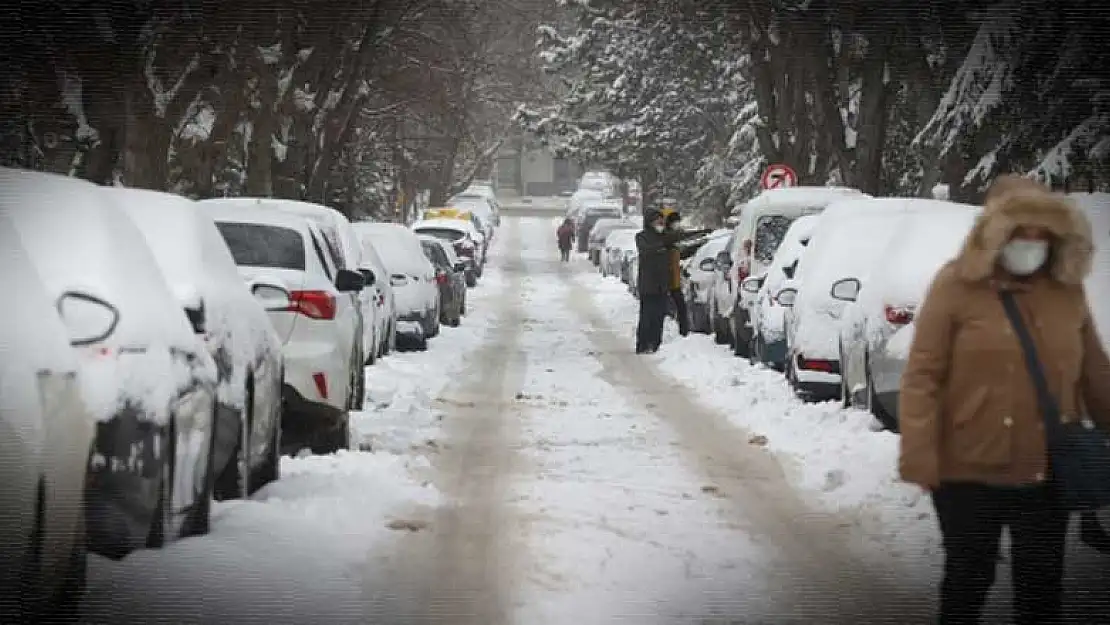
<point>769,232</point>
<point>434,253</point>
<point>260,245</point>
<point>446,234</point>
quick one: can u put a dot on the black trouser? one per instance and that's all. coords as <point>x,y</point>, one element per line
<point>649,330</point>
<point>681,315</point>
<point>564,253</point>
<point>971,518</point>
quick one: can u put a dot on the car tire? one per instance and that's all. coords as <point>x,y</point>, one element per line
<point>270,471</point>
<point>358,388</point>
<point>156,536</point>
<point>332,440</point>
<point>234,479</point>
<point>699,319</point>
<point>471,279</point>
<point>873,406</point>
<point>741,347</point>
<point>720,331</point>
<point>65,607</point>
<point>462,306</point>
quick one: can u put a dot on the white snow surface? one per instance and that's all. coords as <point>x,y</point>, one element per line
<point>1097,208</point>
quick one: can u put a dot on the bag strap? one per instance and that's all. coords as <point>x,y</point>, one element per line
<point>1050,410</point>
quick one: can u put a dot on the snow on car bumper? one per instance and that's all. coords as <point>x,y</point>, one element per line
<point>305,359</point>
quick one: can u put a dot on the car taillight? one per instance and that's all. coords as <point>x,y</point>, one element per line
<point>312,304</point>
<point>741,271</point>
<point>825,366</point>
<point>441,278</point>
<point>898,316</point>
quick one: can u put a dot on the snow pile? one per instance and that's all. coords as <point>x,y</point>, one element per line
<point>831,452</point>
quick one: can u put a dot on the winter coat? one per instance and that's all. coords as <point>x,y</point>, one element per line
<point>565,234</point>
<point>675,261</point>
<point>968,409</point>
<point>655,250</point>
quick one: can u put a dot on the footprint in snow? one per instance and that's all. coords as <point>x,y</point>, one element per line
<point>411,525</point>
<point>834,479</point>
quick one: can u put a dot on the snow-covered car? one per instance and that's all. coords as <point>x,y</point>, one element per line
<point>761,222</point>
<point>601,230</point>
<point>603,182</point>
<point>578,200</point>
<point>346,253</point>
<point>450,277</point>
<point>873,329</point>
<point>698,273</point>
<point>47,435</point>
<point>618,245</point>
<point>484,191</point>
<point>232,324</point>
<point>283,260</point>
<point>462,237</point>
<point>836,250</point>
<point>412,276</point>
<point>146,379</point>
<point>590,214</point>
<point>383,294</point>
<point>483,210</point>
<point>767,315</point>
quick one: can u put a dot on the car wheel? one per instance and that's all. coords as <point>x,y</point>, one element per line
<point>161,530</point>
<point>270,471</point>
<point>65,607</point>
<point>873,405</point>
<point>358,387</point>
<point>741,346</point>
<point>462,306</point>
<point>335,438</point>
<point>755,352</point>
<point>234,481</point>
<point>720,331</point>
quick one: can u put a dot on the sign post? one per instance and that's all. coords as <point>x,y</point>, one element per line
<point>778,176</point>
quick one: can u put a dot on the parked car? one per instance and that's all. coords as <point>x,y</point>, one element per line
<point>600,230</point>
<point>461,235</point>
<point>761,224</point>
<point>482,209</point>
<point>484,191</point>
<point>412,276</point>
<point>346,253</point>
<point>232,324</point>
<point>836,250</point>
<point>47,437</point>
<point>603,182</point>
<point>698,273</point>
<point>282,257</point>
<point>589,215</point>
<point>382,294</point>
<point>147,381</point>
<point>618,244</point>
<point>767,315</point>
<point>873,333</point>
<point>450,276</point>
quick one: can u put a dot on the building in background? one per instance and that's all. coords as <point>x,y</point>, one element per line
<point>525,167</point>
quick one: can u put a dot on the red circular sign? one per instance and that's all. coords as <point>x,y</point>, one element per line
<point>778,176</point>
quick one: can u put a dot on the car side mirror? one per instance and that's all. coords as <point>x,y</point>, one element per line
<point>272,297</point>
<point>368,276</point>
<point>845,290</point>
<point>88,318</point>
<point>723,262</point>
<point>786,297</point>
<point>789,270</point>
<point>752,285</point>
<point>707,264</point>
<point>347,281</point>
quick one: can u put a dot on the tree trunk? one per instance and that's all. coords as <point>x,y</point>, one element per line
<point>147,137</point>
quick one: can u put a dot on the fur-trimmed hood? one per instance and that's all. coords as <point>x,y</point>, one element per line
<point>1019,202</point>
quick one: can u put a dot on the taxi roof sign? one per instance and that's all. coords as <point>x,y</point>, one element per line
<point>446,213</point>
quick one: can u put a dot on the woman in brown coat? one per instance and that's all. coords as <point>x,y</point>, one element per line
<point>971,430</point>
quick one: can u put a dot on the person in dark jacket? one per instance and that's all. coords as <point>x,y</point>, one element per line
<point>654,244</point>
<point>565,234</point>
<point>672,217</point>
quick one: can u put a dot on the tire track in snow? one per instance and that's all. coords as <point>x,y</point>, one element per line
<point>458,570</point>
<point>822,570</point>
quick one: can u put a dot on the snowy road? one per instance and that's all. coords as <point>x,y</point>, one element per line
<point>529,469</point>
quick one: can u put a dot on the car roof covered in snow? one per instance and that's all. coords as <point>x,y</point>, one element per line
<point>81,240</point>
<point>397,246</point>
<point>252,212</point>
<point>458,225</point>
<point>797,196</point>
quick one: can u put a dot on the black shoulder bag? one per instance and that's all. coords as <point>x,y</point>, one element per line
<point>1078,452</point>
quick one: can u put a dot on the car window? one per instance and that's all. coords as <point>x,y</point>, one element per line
<point>260,245</point>
<point>331,244</point>
<point>769,233</point>
<point>320,255</point>
<point>434,253</point>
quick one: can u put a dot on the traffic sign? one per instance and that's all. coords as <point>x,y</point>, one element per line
<point>778,176</point>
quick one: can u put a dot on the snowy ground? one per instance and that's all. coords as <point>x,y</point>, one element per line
<point>530,469</point>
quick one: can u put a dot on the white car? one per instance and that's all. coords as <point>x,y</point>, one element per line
<point>387,313</point>
<point>874,328</point>
<point>600,231</point>
<point>463,238</point>
<point>282,257</point>
<point>698,273</point>
<point>412,276</point>
<point>837,249</point>
<point>146,378</point>
<point>233,325</point>
<point>486,192</point>
<point>761,223</point>
<point>767,315</point>
<point>46,435</point>
<point>618,244</point>
<point>482,208</point>
<point>343,247</point>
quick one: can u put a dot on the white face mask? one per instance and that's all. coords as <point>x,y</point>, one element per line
<point>658,228</point>
<point>1023,257</point>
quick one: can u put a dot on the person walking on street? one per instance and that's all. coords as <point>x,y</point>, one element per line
<point>565,234</point>
<point>972,431</point>
<point>654,244</point>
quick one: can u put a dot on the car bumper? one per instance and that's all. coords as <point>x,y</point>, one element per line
<point>773,354</point>
<point>303,360</point>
